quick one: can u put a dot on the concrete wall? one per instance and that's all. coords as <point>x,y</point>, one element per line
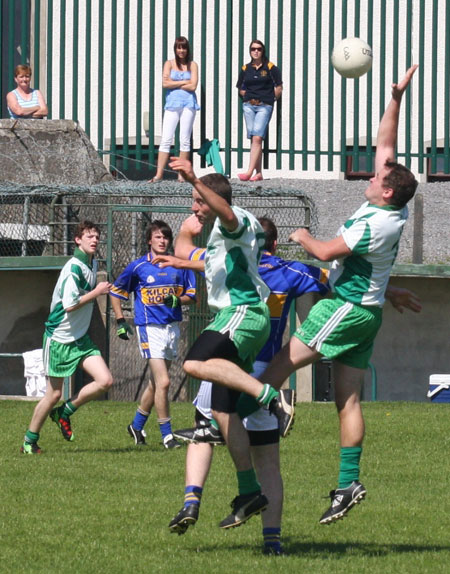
<point>409,347</point>
<point>25,297</point>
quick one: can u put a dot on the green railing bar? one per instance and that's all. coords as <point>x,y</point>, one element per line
<point>139,85</point>
<point>305,84</point>
<point>177,18</point>
<point>216,66</point>
<point>421,102</point>
<point>292,329</point>
<point>151,85</point>
<point>408,92</point>
<point>87,74</point>
<point>191,22</point>
<point>126,79</point>
<point>100,68</point>
<point>76,35</point>
<point>318,127</point>
<point>369,153</point>
<point>395,32</point>
<point>447,91</point>
<point>434,48</point>
<point>357,34</point>
<point>292,91</point>
<point>254,20</point>
<point>36,47</point>
<point>331,17</point>
<point>113,70</point>
<point>344,95</point>
<point>24,33</point>
<point>240,125</point>
<point>62,61</point>
<point>280,65</point>
<point>49,57</point>
<point>267,28</point>
<point>228,85</point>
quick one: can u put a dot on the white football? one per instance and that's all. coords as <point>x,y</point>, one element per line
<point>352,57</point>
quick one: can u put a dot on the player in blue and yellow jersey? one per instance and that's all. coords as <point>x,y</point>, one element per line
<point>66,342</point>
<point>159,295</point>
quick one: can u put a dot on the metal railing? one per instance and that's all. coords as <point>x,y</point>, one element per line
<point>100,63</point>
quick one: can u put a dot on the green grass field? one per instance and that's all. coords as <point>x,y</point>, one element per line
<point>101,505</point>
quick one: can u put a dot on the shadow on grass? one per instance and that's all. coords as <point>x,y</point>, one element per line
<point>325,550</point>
<point>113,450</point>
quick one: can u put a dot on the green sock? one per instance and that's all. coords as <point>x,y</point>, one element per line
<point>68,410</point>
<point>246,405</point>
<point>266,395</point>
<point>349,468</point>
<point>31,437</point>
<point>247,482</point>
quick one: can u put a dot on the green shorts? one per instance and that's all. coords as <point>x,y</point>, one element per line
<point>342,330</point>
<point>62,359</point>
<point>248,326</point>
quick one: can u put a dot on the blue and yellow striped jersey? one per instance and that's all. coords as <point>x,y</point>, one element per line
<point>151,284</point>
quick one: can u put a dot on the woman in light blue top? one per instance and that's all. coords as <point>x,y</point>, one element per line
<point>180,78</point>
<point>24,102</point>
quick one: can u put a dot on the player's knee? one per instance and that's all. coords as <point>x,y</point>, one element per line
<point>193,368</point>
<point>55,396</point>
<point>106,382</point>
<point>163,384</point>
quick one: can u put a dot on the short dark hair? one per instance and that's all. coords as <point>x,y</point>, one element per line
<point>219,184</point>
<point>85,225</point>
<point>159,225</point>
<point>401,181</point>
<point>183,43</point>
<point>270,231</point>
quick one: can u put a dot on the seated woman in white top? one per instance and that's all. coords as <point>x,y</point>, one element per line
<point>24,102</point>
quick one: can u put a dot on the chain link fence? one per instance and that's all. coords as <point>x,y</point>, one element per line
<point>39,222</point>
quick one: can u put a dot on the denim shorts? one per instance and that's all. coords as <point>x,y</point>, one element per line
<point>257,119</point>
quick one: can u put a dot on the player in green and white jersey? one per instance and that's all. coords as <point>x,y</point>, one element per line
<point>227,347</point>
<point>66,342</point>
<point>344,327</point>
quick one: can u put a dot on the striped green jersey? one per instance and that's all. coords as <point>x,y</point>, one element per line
<point>372,234</point>
<point>231,263</point>
<point>77,277</point>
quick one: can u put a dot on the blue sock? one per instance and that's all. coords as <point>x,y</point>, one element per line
<point>165,427</point>
<point>272,538</point>
<point>140,418</point>
<point>192,495</point>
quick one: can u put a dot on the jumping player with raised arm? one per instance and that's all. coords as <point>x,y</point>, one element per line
<point>227,348</point>
<point>344,327</point>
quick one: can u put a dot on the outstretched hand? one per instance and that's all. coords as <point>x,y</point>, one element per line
<point>402,299</point>
<point>183,167</point>
<point>398,89</point>
<point>168,261</point>
<point>191,226</point>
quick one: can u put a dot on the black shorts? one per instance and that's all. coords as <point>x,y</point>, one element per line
<point>214,345</point>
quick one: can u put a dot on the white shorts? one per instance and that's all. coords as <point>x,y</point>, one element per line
<point>260,420</point>
<point>158,341</point>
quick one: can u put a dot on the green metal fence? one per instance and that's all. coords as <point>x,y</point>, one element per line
<point>99,62</point>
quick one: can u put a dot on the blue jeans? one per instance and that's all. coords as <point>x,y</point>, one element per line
<point>257,119</point>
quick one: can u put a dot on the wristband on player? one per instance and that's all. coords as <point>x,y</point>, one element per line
<point>123,329</point>
<point>172,301</point>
